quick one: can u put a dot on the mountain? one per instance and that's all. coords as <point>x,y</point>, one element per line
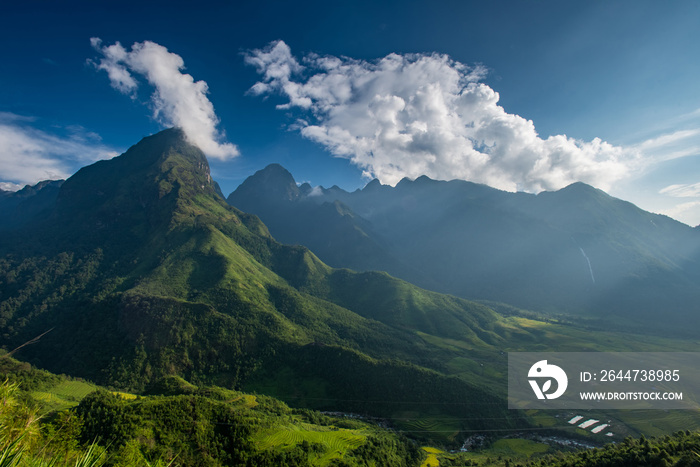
<point>330,229</point>
<point>577,250</point>
<point>21,207</point>
<point>141,270</point>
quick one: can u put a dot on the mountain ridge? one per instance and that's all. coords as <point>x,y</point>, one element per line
<point>17,208</point>
<point>577,250</point>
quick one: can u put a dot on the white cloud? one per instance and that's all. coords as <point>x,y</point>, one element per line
<point>29,155</point>
<point>178,100</point>
<point>8,186</point>
<point>426,114</point>
<point>669,139</point>
<point>315,191</point>
<point>691,190</point>
<point>685,212</point>
<point>671,145</point>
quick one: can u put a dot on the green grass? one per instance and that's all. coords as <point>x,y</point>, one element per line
<point>64,395</point>
<point>658,422</point>
<point>330,442</point>
<point>577,338</point>
<point>543,418</point>
<point>68,394</point>
<point>125,395</point>
<point>432,459</point>
<point>514,449</point>
<point>245,401</point>
<point>517,448</point>
<point>440,428</point>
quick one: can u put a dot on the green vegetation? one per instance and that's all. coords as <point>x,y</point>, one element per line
<point>680,449</point>
<point>432,459</point>
<point>191,426</point>
<point>143,280</point>
<point>145,272</point>
<point>64,395</point>
<point>324,444</point>
<point>576,251</point>
<point>183,424</point>
<point>518,447</point>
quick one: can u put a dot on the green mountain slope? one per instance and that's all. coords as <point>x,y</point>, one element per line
<point>332,230</point>
<point>142,270</point>
<point>576,250</point>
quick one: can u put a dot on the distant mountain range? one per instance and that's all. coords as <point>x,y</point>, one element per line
<point>20,207</point>
<point>577,250</point>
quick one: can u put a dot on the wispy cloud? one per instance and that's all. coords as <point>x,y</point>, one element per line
<point>177,100</point>
<point>29,155</point>
<point>669,139</point>
<point>691,190</point>
<point>681,201</point>
<point>671,145</point>
<point>426,114</point>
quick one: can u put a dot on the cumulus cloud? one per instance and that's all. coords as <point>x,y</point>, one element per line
<point>426,114</point>
<point>9,186</point>
<point>29,155</point>
<point>178,100</point>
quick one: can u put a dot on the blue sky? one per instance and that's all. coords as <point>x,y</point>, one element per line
<point>522,95</point>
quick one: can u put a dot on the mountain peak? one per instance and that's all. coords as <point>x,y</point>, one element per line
<point>579,187</point>
<point>375,184</point>
<point>147,184</point>
<point>272,182</point>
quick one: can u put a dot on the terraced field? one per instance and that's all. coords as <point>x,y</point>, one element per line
<point>432,460</point>
<point>432,427</point>
<point>517,448</point>
<point>245,401</point>
<point>327,442</point>
<point>64,395</point>
<point>659,422</point>
<point>68,394</point>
